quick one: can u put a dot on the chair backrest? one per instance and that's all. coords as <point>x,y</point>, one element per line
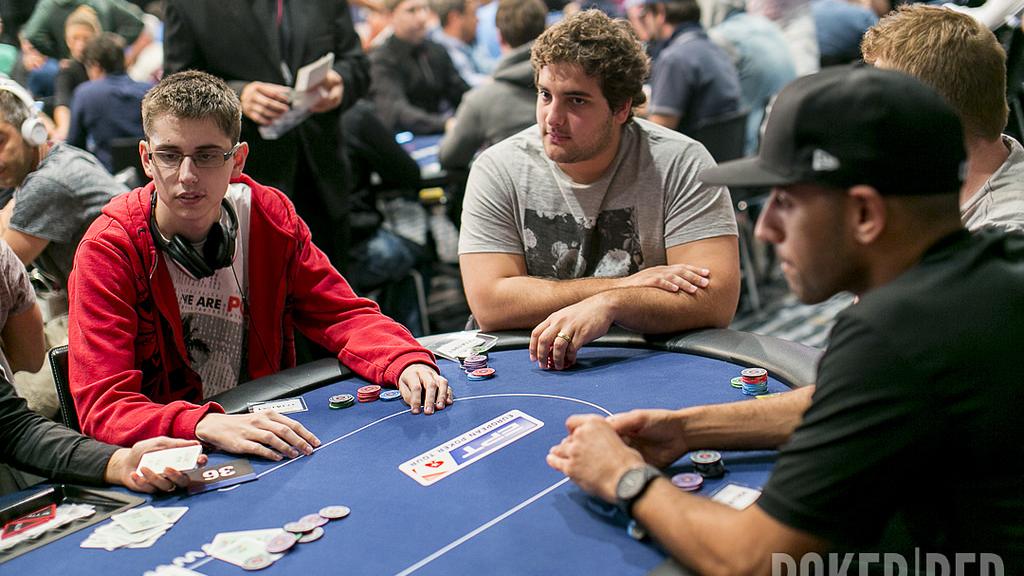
<point>723,136</point>
<point>59,366</point>
<point>124,153</point>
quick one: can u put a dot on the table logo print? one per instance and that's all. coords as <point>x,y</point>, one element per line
<point>467,448</point>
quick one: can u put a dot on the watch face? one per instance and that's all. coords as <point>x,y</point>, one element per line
<point>631,483</point>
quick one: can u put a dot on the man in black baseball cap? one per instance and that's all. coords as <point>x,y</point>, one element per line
<point>898,455</point>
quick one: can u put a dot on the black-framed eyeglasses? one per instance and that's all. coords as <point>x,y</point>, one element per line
<point>202,159</point>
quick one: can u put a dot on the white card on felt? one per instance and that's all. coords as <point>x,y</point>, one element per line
<point>736,496</point>
<point>184,458</point>
<point>139,519</point>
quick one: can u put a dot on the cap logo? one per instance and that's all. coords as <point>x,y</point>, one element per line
<point>822,161</point>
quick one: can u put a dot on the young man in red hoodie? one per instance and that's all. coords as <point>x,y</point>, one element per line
<point>196,282</point>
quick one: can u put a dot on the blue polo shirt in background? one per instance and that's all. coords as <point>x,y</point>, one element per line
<point>105,109</point>
<point>693,79</point>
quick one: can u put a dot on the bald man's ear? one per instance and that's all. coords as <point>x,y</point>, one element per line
<point>868,214</point>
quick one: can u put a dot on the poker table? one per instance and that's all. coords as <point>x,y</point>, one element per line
<point>506,512</point>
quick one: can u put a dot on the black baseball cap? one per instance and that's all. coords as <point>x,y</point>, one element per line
<point>847,126</point>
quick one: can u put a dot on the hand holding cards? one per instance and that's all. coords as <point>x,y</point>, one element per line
<point>181,459</point>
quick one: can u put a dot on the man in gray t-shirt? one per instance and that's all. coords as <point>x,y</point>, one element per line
<point>593,218</point>
<point>59,191</point>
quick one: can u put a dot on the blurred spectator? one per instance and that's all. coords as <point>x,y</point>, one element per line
<point>501,108</point>
<point>457,34</point>
<point>258,47</point>
<point>81,26</point>
<point>840,25</point>
<point>762,59</point>
<point>381,260</point>
<point>109,105</point>
<point>149,65</point>
<point>415,85</point>
<point>59,190</point>
<point>45,30</point>
<point>797,23</point>
<point>692,80</point>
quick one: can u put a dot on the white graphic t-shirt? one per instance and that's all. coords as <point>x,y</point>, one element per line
<point>212,312</point>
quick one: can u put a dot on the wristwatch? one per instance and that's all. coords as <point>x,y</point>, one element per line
<point>632,485</point>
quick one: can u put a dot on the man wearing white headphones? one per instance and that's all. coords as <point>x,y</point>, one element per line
<point>59,189</point>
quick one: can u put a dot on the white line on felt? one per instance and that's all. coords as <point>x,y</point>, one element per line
<point>481,528</point>
<point>375,422</point>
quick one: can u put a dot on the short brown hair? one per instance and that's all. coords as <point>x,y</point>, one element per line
<point>951,52</point>
<point>193,95</point>
<point>605,49</point>
<point>105,51</point>
<point>445,8</point>
<point>521,21</point>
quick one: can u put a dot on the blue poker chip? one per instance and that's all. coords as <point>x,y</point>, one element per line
<point>390,395</point>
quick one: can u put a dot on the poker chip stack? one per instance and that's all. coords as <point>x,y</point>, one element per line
<point>340,401</point>
<point>390,395</point>
<point>754,381</point>
<point>304,530</point>
<point>368,393</point>
<point>688,481</point>
<point>708,463</point>
<point>476,368</point>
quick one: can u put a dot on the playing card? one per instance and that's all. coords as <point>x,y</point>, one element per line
<point>139,519</point>
<point>184,458</point>
<point>172,514</point>
<point>66,513</point>
<point>225,539</point>
<point>281,406</point>
<point>241,551</point>
<point>736,496</point>
<point>122,537</point>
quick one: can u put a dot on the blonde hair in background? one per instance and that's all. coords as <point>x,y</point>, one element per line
<point>951,52</point>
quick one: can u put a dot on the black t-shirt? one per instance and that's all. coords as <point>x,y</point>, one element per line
<point>917,417</point>
<point>68,79</point>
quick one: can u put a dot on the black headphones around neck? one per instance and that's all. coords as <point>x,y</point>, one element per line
<point>218,251</point>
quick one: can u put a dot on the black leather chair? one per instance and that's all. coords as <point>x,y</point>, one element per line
<point>725,138</point>
<point>59,366</point>
<point>126,164</point>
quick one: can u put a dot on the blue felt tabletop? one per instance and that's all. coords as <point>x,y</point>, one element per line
<point>506,513</point>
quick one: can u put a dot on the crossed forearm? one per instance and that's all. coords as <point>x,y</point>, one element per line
<point>522,302</point>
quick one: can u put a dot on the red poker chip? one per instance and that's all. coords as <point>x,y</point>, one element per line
<point>754,373</point>
<point>370,389</point>
<point>482,372</point>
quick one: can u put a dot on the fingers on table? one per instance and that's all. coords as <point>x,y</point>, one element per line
<point>272,435</point>
<point>551,346</point>
<point>412,391</point>
<point>428,387</point>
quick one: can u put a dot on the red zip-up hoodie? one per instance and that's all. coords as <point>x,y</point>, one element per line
<point>128,368</point>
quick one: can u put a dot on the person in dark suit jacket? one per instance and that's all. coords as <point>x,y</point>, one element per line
<point>257,46</point>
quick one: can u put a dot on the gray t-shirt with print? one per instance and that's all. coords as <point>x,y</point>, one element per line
<point>518,201</point>
<point>16,294</point>
<point>58,201</point>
